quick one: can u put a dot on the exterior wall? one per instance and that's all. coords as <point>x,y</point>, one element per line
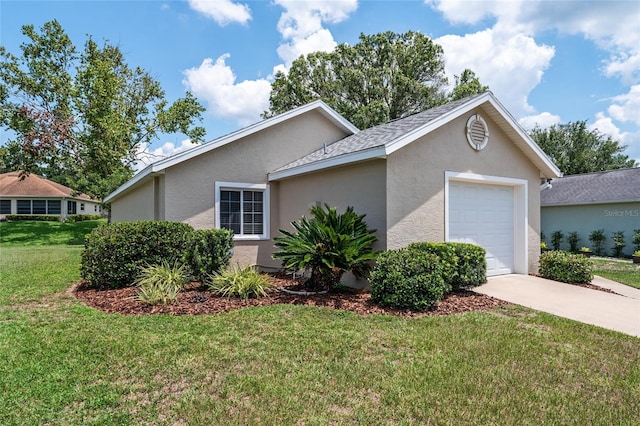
<point>189,187</point>
<point>416,180</point>
<point>585,219</point>
<point>90,207</point>
<point>135,205</point>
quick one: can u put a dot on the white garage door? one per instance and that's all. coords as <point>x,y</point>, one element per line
<point>484,215</point>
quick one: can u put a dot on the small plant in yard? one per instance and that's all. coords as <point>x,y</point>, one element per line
<point>543,245</point>
<point>585,250</point>
<point>556,239</point>
<point>160,283</point>
<point>597,237</point>
<point>408,279</point>
<point>240,282</point>
<point>208,251</point>
<point>566,267</point>
<point>636,240</point>
<point>329,244</point>
<point>618,243</point>
<point>573,239</point>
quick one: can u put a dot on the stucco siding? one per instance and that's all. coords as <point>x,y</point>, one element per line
<point>416,180</point>
<point>135,205</point>
<point>585,219</point>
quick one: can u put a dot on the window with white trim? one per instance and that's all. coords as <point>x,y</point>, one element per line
<point>5,206</point>
<point>243,208</point>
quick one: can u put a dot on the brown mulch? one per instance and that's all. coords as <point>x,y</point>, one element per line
<point>197,300</point>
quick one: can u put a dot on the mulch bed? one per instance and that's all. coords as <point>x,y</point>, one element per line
<point>197,300</point>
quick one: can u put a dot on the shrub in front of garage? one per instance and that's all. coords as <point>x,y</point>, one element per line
<point>566,267</point>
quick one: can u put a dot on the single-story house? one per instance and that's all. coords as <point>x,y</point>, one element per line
<point>34,195</point>
<point>588,202</point>
<point>465,171</point>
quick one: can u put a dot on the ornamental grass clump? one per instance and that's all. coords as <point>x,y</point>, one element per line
<point>160,283</point>
<point>240,282</point>
<point>328,244</point>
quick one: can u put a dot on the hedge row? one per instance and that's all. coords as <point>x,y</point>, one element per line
<point>420,275</point>
<point>566,267</point>
<point>115,253</point>
<point>34,217</point>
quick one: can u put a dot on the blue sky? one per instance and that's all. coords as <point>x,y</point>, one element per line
<point>547,61</point>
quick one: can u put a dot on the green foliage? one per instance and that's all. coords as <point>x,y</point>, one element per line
<point>618,243</point>
<point>408,279</point>
<point>382,77</point>
<point>209,251</point>
<point>556,239</point>
<point>566,267</point>
<point>80,117</point>
<point>114,253</point>
<point>329,244</point>
<point>160,283</point>
<point>472,265</point>
<point>636,239</point>
<point>574,149</point>
<point>83,217</point>
<point>240,282</point>
<point>597,238</point>
<point>573,239</point>
<point>34,217</point>
<point>463,265</point>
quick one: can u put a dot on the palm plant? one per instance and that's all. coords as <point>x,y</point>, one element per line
<point>328,244</point>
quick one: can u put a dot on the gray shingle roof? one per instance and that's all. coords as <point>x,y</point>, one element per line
<point>590,188</point>
<point>376,136</point>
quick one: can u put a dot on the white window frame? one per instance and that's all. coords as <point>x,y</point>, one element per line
<point>266,205</point>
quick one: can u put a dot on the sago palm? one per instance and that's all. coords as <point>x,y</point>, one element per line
<point>328,244</point>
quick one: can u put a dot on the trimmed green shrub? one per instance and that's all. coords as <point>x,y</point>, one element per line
<point>618,243</point>
<point>407,279</point>
<point>472,265</point>
<point>448,259</point>
<point>566,267</point>
<point>83,217</point>
<point>556,239</point>
<point>636,239</point>
<point>597,238</point>
<point>35,217</point>
<point>240,282</point>
<point>573,239</point>
<point>114,253</point>
<point>161,283</point>
<point>209,251</point>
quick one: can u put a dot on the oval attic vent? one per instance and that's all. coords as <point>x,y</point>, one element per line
<point>477,132</point>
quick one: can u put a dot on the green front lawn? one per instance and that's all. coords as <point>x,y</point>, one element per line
<point>35,233</point>
<point>62,363</point>
<point>624,272</point>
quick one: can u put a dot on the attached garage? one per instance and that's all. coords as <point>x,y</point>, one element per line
<point>491,212</point>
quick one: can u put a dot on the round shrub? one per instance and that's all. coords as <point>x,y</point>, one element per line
<point>471,266</point>
<point>448,259</point>
<point>114,253</point>
<point>566,267</point>
<point>407,279</point>
<point>208,252</point>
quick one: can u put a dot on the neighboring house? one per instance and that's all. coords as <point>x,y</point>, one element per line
<point>585,203</point>
<point>35,195</point>
<point>465,171</point>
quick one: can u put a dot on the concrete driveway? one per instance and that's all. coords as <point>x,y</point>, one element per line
<point>620,312</point>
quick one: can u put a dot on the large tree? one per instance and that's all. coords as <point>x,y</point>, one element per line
<point>80,118</point>
<point>575,149</point>
<point>382,77</point>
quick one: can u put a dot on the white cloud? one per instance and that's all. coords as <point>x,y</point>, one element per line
<point>510,64</point>
<point>605,125</point>
<point>301,26</point>
<point>222,11</point>
<point>147,156</point>
<point>543,120</point>
<point>215,82</point>
<point>626,108</point>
